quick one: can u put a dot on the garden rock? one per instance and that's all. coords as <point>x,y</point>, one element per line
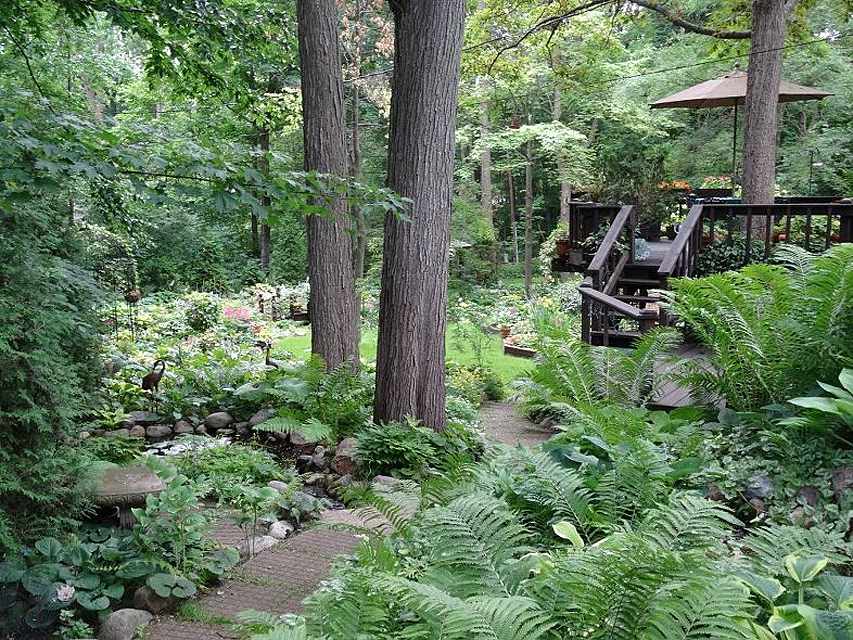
<point>280,529</point>
<point>304,462</point>
<point>143,417</point>
<point>225,433</point>
<point>809,494</point>
<point>84,435</point>
<point>145,598</point>
<point>137,431</point>
<point>158,432</point>
<point>344,462</point>
<point>201,430</point>
<point>760,486</point>
<point>242,429</point>
<point>842,480</point>
<point>122,624</point>
<point>253,546</point>
<point>715,494</point>
<point>118,433</point>
<point>298,440</point>
<point>218,420</point>
<point>182,427</point>
<point>99,433</point>
<point>314,479</point>
<point>278,485</point>
<point>319,458</point>
<point>261,416</point>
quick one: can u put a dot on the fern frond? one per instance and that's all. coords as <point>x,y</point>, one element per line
<point>765,548</point>
<point>687,522</point>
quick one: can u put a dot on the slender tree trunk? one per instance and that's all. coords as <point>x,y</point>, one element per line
<point>528,222</point>
<point>557,115</point>
<point>355,172</point>
<point>762,97</point>
<point>255,243</point>
<point>513,216</point>
<point>413,300</point>
<point>486,160</point>
<point>264,168</point>
<point>332,307</point>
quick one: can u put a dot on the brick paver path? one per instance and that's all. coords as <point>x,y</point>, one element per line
<point>275,581</point>
<point>503,423</point>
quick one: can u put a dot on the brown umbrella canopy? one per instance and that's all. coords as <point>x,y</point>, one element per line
<point>730,90</point>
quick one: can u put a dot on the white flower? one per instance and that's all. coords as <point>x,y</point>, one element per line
<point>64,593</point>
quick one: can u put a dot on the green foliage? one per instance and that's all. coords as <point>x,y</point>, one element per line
<point>203,311</point>
<point>571,377</point>
<point>404,447</point>
<point>119,451</point>
<point>772,331</point>
<point>224,469</point>
<point>825,410</point>
<point>724,255</point>
<point>171,534</point>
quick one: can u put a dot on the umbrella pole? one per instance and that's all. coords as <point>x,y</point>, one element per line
<point>734,153</point>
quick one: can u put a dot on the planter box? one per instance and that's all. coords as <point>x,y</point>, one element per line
<point>519,352</point>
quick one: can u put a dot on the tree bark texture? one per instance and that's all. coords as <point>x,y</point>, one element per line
<point>410,377</point>
<point>264,238</point>
<point>557,115</point>
<point>762,97</point>
<point>513,217</point>
<point>486,195</point>
<point>355,172</point>
<point>332,306</point>
<point>528,222</point>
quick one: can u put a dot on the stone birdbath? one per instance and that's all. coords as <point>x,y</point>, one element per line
<point>126,487</point>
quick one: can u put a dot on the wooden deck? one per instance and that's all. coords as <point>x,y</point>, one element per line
<point>672,395</point>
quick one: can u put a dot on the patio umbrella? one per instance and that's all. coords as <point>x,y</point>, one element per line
<point>730,91</point>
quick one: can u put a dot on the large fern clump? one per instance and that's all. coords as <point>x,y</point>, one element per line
<point>772,330</point>
<point>571,378</point>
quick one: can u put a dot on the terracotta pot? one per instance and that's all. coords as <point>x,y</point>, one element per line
<point>563,248</point>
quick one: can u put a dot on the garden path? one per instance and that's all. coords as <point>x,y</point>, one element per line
<point>503,423</point>
<point>276,580</point>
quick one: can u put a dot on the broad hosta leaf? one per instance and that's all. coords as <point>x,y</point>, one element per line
<point>801,621</point>
<point>805,569</point>
<point>839,589</point>
<point>92,601</point>
<point>567,531</point>
<point>50,548</point>
<point>767,588</point>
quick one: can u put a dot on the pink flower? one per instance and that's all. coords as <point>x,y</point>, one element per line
<point>237,313</point>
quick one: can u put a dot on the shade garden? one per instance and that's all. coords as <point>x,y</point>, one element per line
<point>364,320</point>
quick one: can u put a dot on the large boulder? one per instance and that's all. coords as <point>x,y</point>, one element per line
<point>345,457</point>
<point>254,546</point>
<point>137,431</point>
<point>261,416</point>
<point>123,624</point>
<point>158,432</point>
<point>182,428</point>
<point>144,598</point>
<point>760,486</point>
<point>143,417</point>
<point>218,420</point>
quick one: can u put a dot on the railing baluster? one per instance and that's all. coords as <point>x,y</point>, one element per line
<point>768,230</point>
<point>808,229</point>
<point>748,249</point>
<point>828,230</point>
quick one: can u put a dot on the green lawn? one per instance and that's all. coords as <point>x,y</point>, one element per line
<point>507,367</point>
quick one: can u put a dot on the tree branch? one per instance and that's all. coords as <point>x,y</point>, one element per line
<point>678,21</point>
<point>23,53</point>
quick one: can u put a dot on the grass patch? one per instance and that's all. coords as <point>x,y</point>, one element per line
<point>191,611</point>
<point>508,368</point>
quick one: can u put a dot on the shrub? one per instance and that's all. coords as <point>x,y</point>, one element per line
<point>48,368</point>
<point>203,311</point>
<point>402,447</point>
<point>724,255</point>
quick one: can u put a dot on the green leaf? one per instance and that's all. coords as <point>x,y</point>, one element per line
<point>846,379</point>
<point>38,580</point>
<point>88,600</point>
<point>135,569</point>
<point>11,571</point>
<point>114,591</point>
<point>827,405</point>
<point>567,531</point>
<point>87,581</point>
<point>767,588</point>
<point>815,624</point>
<point>839,589</point>
<point>50,548</point>
<point>805,569</point>
<point>167,586</point>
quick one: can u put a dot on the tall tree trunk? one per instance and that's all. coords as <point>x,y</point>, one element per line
<point>264,169</point>
<point>355,172</point>
<point>557,115</point>
<point>486,159</point>
<point>528,222</point>
<point>762,97</point>
<point>513,216</point>
<point>332,306</point>
<point>255,243</point>
<point>413,300</point>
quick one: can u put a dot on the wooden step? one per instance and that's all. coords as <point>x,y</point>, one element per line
<point>647,299</point>
<point>642,283</point>
<point>622,339</point>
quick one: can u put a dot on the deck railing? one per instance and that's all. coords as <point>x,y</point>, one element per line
<point>598,306</point>
<point>586,217</point>
<point>820,225</point>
